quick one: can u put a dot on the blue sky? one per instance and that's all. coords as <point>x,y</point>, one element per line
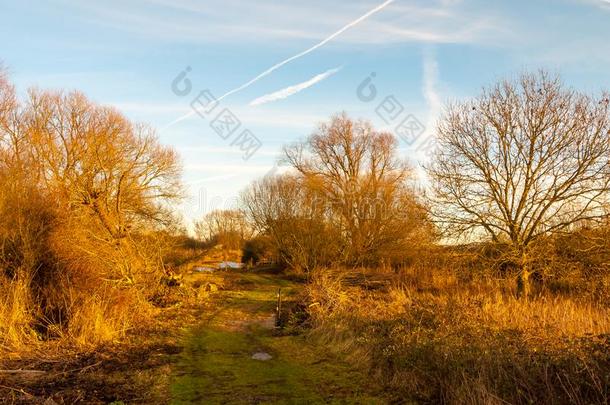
<point>424,53</point>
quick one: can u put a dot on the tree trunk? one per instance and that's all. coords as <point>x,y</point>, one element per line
<point>523,279</point>
<point>524,283</point>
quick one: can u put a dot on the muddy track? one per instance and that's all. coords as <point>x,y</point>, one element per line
<point>217,364</point>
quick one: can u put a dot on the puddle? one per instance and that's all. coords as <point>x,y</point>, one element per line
<point>262,356</point>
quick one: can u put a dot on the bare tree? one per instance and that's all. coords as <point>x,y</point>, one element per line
<point>296,221</point>
<point>95,159</point>
<point>357,171</point>
<point>226,227</point>
<point>83,194</point>
<point>524,159</point>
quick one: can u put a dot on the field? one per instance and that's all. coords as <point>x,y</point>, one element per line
<point>464,261</point>
<point>433,338</point>
<point>198,349</point>
<point>347,336</point>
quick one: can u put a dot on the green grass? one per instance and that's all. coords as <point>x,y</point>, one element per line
<point>216,364</point>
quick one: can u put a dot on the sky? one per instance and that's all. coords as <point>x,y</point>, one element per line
<point>262,74</point>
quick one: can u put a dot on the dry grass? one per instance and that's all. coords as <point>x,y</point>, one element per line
<point>85,201</point>
<point>15,313</point>
<point>437,338</point>
<point>117,347</point>
<point>77,292</point>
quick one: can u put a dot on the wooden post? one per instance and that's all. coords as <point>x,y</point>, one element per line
<point>278,309</point>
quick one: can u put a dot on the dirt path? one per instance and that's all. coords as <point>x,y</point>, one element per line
<point>216,365</point>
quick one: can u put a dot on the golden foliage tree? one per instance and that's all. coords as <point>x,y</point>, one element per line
<point>357,172</point>
<point>282,208</point>
<point>350,199</point>
<point>83,191</point>
<point>227,227</point>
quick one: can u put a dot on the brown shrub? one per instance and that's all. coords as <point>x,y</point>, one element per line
<point>84,194</point>
<point>442,339</point>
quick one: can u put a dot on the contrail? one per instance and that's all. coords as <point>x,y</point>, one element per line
<point>291,90</point>
<point>292,58</point>
<point>433,100</point>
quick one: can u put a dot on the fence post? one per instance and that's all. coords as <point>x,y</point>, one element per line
<point>278,309</point>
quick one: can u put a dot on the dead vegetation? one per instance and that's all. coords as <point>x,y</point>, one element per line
<point>351,200</point>
<point>136,369</point>
<point>417,290</point>
<point>524,160</point>
<point>435,336</point>
<point>519,191</point>
<point>84,217</point>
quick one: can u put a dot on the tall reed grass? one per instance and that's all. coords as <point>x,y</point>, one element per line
<point>436,337</point>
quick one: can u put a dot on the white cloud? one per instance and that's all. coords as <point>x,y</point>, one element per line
<point>429,90</point>
<point>213,21</point>
<point>146,107</point>
<point>233,169</point>
<point>605,4</point>
<point>211,179</point>
<point>281,118</point>
<point>292,90</point>
<point>227,150</point>
<point>299,55</point>
<point>269,117</point>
